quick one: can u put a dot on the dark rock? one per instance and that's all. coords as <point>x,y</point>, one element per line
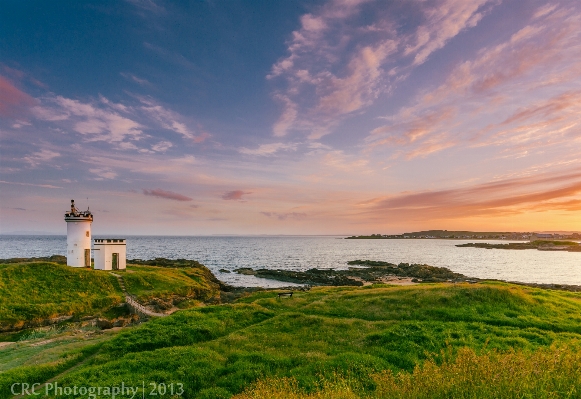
<point>372,272</point>
<point>103,324</point>
<point>246,271</point>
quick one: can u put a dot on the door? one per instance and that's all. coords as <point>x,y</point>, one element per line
<point>115,261</point>
<point>87,258</point>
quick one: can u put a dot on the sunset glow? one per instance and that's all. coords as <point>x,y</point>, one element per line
<point>291,117</point>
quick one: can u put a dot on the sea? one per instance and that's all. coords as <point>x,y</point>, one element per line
<point>227,253</point>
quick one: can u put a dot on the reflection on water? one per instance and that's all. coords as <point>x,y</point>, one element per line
<point>301,253</point>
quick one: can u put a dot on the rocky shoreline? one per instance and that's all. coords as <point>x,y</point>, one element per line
<point>377,272</point>
<point>368,272</point>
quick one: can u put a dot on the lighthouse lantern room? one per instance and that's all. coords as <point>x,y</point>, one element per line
<point>78,237</point>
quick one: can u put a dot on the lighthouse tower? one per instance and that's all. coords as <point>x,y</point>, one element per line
<point>78,237</point>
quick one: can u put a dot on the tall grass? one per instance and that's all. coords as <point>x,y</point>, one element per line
<point>545,373</point>
<point>31,293</point>
<point>39,291</point>
<point>147,282</point>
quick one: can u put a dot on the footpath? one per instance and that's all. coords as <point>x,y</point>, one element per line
<point>139,308</point>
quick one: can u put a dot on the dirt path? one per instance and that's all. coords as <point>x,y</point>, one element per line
<point>133,303</point>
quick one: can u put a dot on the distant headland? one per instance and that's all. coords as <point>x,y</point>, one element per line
<point>470,235</point>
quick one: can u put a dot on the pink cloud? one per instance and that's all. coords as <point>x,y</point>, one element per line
<point>547,108</point>
<point>235,195</point>
<point>505,197</point>
<point>166,194</point>
<point>201,137</point>
<point>444,21</point>
<point>40,157</point>
<point>12,100</point>
<point>521,94</point>
<point>327,78</point>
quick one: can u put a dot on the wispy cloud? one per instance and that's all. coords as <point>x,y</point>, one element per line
<point>444,20</point>
<point>235,195</point>
<point>170,120</point>
<point>131,77</point>
<point>147,5</point>
<point>158,192</point>
<point>523,92</point>
<point>13,101</point>
<point>268,149</point>
<point>37,158</point>
<point>103,173</point>
<point>99,121</point>
<point>29,184</point>
<point>141,126</point>
<point>505,197</point>
<point>162,146</point>
<point>339,63</point>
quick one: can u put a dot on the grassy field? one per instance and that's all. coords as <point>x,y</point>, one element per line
<point>32,293</point>
<point>375,341</point>
<point>39,291</point>
<point>147,282</point>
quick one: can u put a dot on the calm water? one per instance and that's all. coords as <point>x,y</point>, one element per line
<point>301,253</point>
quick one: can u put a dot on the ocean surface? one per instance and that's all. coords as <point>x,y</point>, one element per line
<point>306,252</point>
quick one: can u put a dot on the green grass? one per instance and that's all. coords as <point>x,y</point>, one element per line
<point>49,368</point>
<point>37,291</point>
<point>50,347</point>
<point>545,373</point>
<point>147,282</point>
<point>31,293</point>
<point>360,339</point>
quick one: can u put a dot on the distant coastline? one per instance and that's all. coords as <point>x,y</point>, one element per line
<point>467,235</point>
<point>540,245</point>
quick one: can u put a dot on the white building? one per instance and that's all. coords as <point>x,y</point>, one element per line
<point>110,253</point>
<point>78,237</point>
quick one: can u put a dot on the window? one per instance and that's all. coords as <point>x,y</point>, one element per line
<point>87,234</point>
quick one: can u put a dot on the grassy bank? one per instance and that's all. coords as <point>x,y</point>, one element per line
<point>33,292</point>
<point>361,339</point>
<point>37,293</point>
<point>150,282</point>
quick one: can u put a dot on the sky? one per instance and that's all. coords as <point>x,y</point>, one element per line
<point>291,117</point>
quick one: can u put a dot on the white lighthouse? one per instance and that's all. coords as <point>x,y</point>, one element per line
<point>78,237</point>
